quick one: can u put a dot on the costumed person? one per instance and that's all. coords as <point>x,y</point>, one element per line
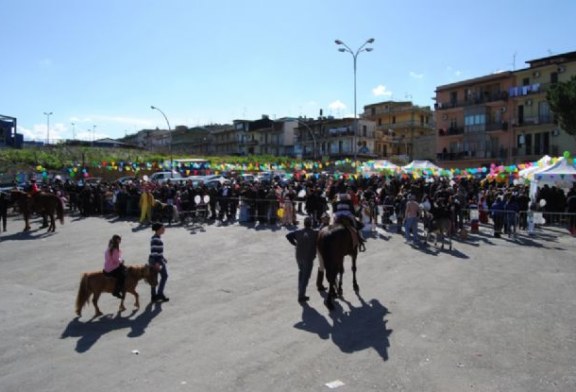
<point>146,203</point>
<point>114,265</point>
<point>157,260</point>
<point>344,214</point>
<point>305,242</point>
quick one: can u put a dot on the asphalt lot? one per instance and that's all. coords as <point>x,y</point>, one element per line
<point>492,315</point>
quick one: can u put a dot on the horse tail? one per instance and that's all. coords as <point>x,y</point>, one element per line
<point>83,294</point>
<point>60,210</point>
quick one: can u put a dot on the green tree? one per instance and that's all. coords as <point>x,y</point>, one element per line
<point>561,97</point>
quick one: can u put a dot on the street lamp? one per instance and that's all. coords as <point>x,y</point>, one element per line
<point>73,131</point>
<point>47,114</point>
<point>313,137</point>
<point>355,54</point>
<point>170,133</point>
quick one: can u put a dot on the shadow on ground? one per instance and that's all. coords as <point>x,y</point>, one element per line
<point>91,331</point>
<point>353,329</point>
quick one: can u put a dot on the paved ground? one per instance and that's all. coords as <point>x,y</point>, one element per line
<point>492,315</point>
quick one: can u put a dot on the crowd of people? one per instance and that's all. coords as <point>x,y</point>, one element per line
<point>376,200</point>
<point>365,202</point>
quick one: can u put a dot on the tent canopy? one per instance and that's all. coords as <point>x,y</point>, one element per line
<point>561,174</point>
<point>421,165</point>
<point>384,164</point>
<point>528,173</point>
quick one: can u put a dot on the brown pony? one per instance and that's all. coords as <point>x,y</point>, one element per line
<point>96,283</point>
<point>333,244</point>
<point>45,204</point>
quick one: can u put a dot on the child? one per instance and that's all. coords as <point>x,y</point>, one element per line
<point>157,259</point>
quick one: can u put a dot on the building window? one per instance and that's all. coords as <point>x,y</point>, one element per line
<point>554,77</point>
<point>393,119</point>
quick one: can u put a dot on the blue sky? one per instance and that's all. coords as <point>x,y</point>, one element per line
<point>100,64</point>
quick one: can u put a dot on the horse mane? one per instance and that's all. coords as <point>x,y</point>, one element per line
<point>138,271</point>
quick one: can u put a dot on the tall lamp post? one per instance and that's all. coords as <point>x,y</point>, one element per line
<point>48,114</point>
<point>170,133</point>
<point>311,134</point>
<point>355,54</point>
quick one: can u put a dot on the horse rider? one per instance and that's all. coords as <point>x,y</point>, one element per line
<point>344,214</point>
<point>114,265</point>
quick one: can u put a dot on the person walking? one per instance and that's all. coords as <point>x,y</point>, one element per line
<point>157,260</point>
<point>3,210</point>
<point>305,242</point>
<point>411,215</point>
<point>114,265</point>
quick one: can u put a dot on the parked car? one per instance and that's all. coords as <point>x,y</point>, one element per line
<point>126,180</point>
<point>163,176</point>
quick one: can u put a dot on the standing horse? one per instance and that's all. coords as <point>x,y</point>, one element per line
<point>45,204</point>
<point>162,211</point>
<point>333,244</point>
<point>95,283</point>
<point>438,224</point>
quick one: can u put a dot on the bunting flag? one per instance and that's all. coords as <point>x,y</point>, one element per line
<point>346,168</point>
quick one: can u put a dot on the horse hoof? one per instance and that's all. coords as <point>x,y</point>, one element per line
<point>329,305</point>
<point>98,314</point>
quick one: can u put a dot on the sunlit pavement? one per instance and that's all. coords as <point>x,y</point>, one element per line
<point>493,314</point>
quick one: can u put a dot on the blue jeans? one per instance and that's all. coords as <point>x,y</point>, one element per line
<point>411,224</point>
<point>163,278</point>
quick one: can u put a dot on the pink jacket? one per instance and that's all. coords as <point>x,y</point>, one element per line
<point>112,261</point>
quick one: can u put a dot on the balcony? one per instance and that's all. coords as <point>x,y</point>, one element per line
<point>479,99</point>
<point>492,127</point>
<point>535,120</point>
<point>451,131</point>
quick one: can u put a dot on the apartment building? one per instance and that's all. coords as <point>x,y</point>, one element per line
<point>502,118</point>
<point>403,131</point>
<point>534,130</point>
<point>334,138</point>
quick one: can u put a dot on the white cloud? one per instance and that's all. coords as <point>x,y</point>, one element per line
<point>381,90</point>
<point>39,133</point>
<point>336,105</point>
<point>416,75</point>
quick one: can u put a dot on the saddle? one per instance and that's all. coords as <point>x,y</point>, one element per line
<point>357,240</point>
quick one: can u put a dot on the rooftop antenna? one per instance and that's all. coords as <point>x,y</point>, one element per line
<point>514,61</point>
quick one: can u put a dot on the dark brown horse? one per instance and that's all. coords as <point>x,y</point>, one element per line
<point>46,204</point>
<point>333,244</point>
<point>95,283</point>
<point>438,224</point>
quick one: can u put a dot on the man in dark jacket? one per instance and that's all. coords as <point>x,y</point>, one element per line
<point>305,242</point>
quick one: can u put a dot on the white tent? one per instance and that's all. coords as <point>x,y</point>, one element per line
<point>384,164</point>
<point>414,165</point>
<point>528,173</point>
<point>561,174</point>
